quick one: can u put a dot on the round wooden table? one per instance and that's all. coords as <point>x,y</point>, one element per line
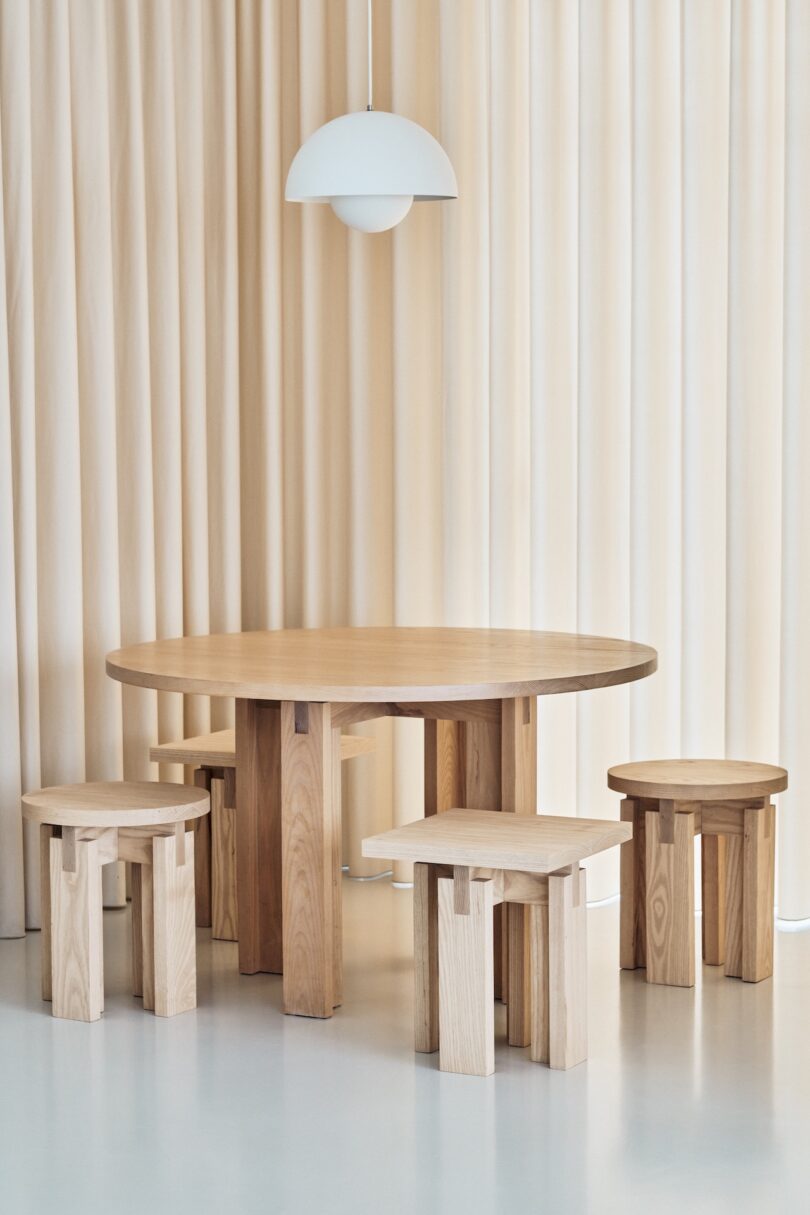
<point>296,688</point>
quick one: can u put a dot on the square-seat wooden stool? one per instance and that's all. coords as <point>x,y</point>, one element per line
<point>669,802</point>
<point>213,756</point>
<point>82,827</point>
<point>467,861</point>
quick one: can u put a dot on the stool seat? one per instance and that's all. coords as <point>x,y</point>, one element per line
<point>523,843</point>
<point>702,780</point>
<point>218,750</point>
<point>115,804</point>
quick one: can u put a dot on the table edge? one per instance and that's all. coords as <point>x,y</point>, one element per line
<point>339,694</point>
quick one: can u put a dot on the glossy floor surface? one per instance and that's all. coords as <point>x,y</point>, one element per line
<point>693,1101</point>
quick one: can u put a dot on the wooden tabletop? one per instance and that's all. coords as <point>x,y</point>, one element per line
<point>382,664</point>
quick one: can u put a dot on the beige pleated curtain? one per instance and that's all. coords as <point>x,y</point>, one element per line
<point>577,398</point>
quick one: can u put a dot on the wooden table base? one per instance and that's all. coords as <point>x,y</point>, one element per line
<point>288,836</point>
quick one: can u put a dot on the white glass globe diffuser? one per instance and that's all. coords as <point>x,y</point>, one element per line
<point>371,166</point>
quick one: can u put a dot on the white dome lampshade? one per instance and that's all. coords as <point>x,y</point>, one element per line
<point>370,166</point>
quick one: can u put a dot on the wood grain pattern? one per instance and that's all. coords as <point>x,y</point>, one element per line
<point>518,796</point>
<point>568,970</point>
<point>734,906</point>
<point>519,755</point>
<point>518,961</point>
<point>175,940</point>
<point>481,782</point>
<point>382,664</point>
<point>530,844</point>
<point>538,945</point>
<point>336,865</point>
<point>444,766</point>
<point>215,750</point>
<point>713,882</point>
<point>758,889</point>
<point>224,912</point>
<point>258,836</point>
<point>115,804</point>
<point>77,968</point>
<point>45,836</point>
<point>202,854</point>
<point>352,713</point>
<point>671,901</point>
<point>308,859</point>
<point>633,904</point>
<point>697,780</point>
<point>426,958</point>
<point>448,710</point>
<point>462,763</point>
<point>461,889</point>
<point>481,751</point>
<point>137,930</point>
<point>147,908</point>
<point>721,819</point>
<point>466,1012</point>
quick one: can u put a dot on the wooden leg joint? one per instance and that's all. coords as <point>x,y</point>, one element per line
<point>461,890</point>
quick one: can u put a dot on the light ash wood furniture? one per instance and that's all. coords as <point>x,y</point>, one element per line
<point>728,803</point>
<point>467,862</point>
<point>82,827</point>
<point>296,689</point>
<point>213,757</point>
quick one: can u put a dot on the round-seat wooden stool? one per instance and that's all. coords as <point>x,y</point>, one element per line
<point>669,802</point>
<point>82,827</point>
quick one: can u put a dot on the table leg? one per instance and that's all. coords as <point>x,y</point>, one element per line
<point>463,768</point>
<point>518,796</point>
<point>337,869</point>
<point>481,760</point>
<point>492,765</point>
<point>311,969</point>
<point>258,836</point>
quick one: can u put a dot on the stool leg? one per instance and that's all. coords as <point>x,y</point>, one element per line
<point>734,902</point>
<point>202,852</point>
<point>518,959</point>
<point>223,865</point>
<point>136,899</point>
<point>567,970</point>
<point>713,881</point>
<point>45,836</point>
<point>174,939</point>
<point>758,882</point>
<point>466,981</point>
<point>538,930</point>
<point>633,903</point>
<point>670,896</point>
<point>426,958</point>
<point>77,972</point>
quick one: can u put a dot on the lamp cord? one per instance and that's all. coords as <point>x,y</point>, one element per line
<point>370,105</point>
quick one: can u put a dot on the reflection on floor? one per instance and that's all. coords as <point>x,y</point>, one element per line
<point>695,1100</point>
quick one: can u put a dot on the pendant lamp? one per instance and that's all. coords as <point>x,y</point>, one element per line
<point>370,166</point>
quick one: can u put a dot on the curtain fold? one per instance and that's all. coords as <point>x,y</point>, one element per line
<point>576,398</point>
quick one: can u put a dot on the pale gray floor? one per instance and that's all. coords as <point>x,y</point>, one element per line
<point>691,1100</point>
